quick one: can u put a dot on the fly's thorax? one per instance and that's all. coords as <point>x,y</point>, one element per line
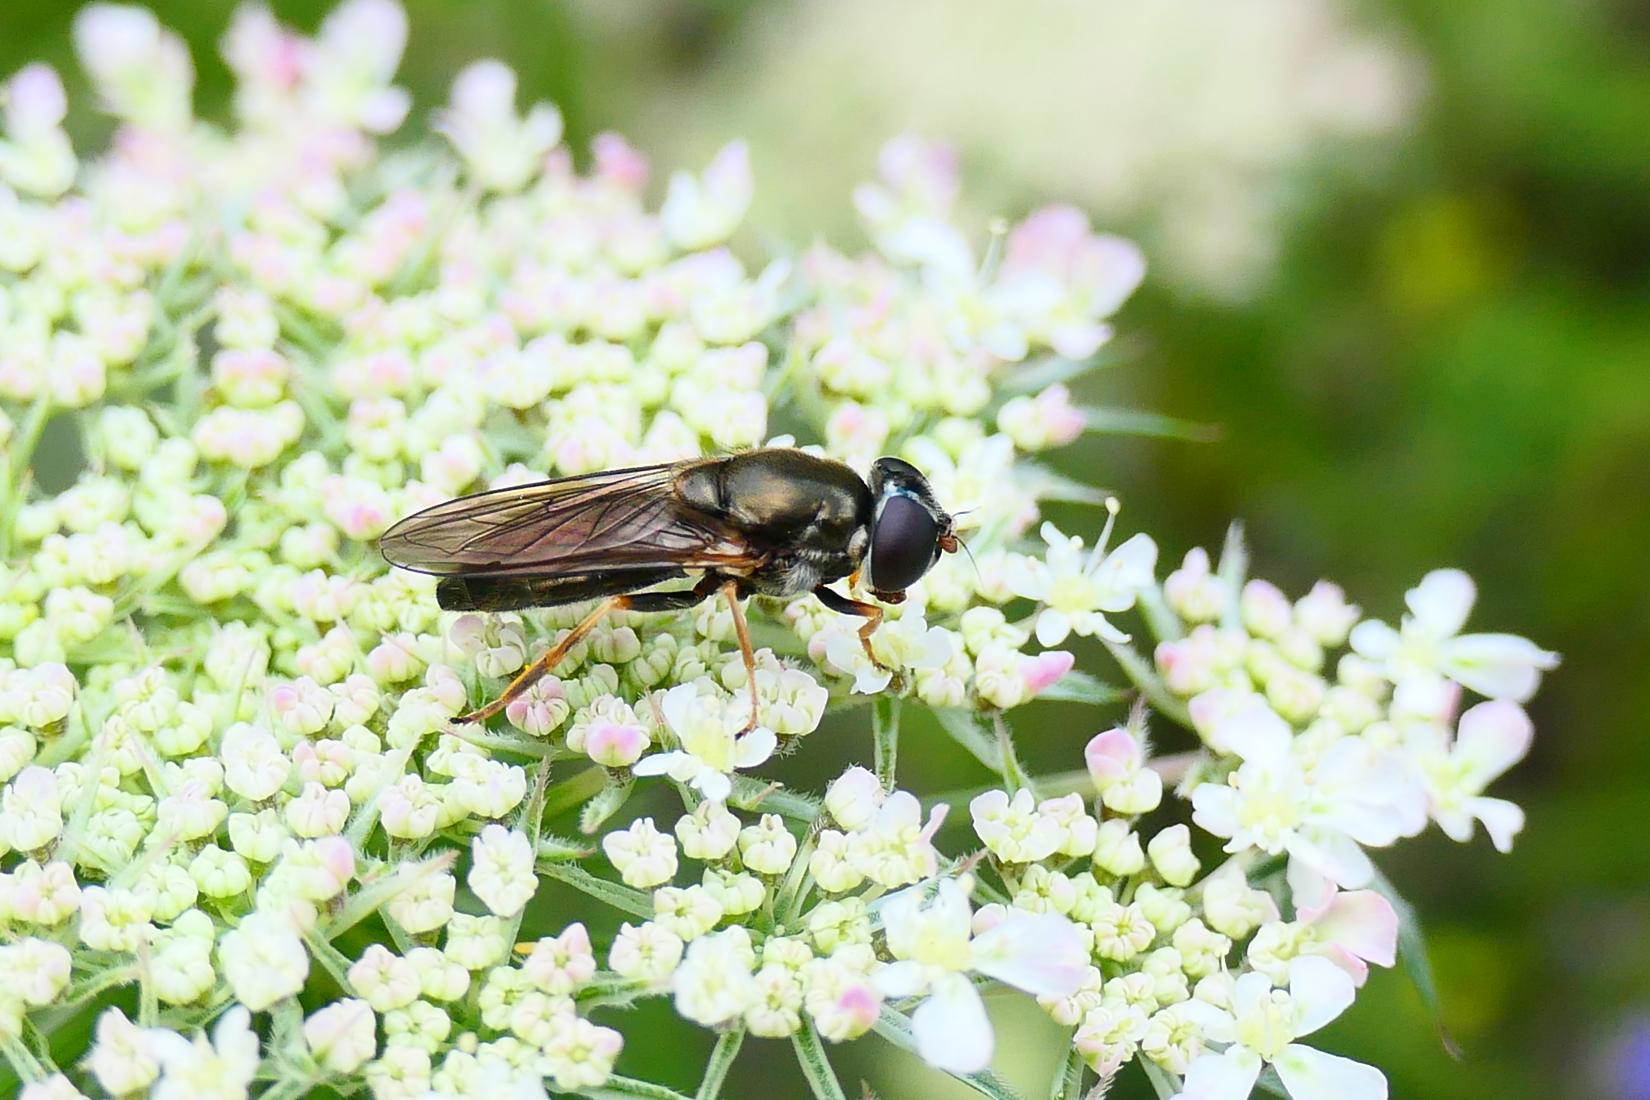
<point>783,498</point>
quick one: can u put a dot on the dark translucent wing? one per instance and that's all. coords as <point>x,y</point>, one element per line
<point>617,519</point>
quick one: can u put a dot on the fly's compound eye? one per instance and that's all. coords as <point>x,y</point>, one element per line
<point>904,543</point>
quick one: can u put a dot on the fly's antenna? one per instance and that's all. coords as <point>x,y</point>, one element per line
<point>970,554</point>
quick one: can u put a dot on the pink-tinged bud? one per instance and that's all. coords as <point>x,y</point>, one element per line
<point>540,710</point>
<point>618,162</point>
<point>359,509</point>
<point>1188,664</point>
<point>860,1005</point>
<point>334,856</point>
<point>34,101</point>
<point>1266,610</point>
<point>1112,756</point>
<point>385,372</point>
<point>1045,670</point>
<point>615,744</point>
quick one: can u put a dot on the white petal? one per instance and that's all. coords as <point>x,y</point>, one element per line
<point>677,706</point>
<point>1125,571</point>
<point>1052,626</point>
<point>1098,626</point>
<point>952,1030</point>
<point>1216,1023</point>
<point>1456,823</point>
<point>1311,1074</point>
<point>1226,1076</point>
<point>899,979</point>
<point>871,680</point>
<point>1028,578</point>
<point>1442,601</point>
<point>844,652</point>
<point>713,785</point>
<point>936,650</point>
<point>658,764</point>
<point>1492,737</point>
<point>1321,991</point>
<point>1497,666</point>
<point>1215,808</point>
<point>167,1046</point>
<point>1374,639</point>
<point>900,810</point>
<point>1255,733</point>
<point>1040,953</point>
<point>1307,885</point>
<point>755,747</point>
<point>1333,854</point>
<point>1503,820</point>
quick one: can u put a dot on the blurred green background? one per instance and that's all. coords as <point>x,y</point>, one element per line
<point>1436,352</point>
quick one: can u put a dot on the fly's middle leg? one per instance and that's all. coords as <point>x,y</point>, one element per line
<point>870,612</point>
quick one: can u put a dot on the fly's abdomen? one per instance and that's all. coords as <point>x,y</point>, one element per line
<point>477,593</point>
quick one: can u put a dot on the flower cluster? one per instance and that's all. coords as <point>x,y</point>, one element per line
<point>244,846</point>
<point>1303,765</point>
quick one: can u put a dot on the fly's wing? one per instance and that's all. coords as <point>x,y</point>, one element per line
<point>618,519</point>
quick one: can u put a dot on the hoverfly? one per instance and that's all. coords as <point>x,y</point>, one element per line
<point>774,522</point>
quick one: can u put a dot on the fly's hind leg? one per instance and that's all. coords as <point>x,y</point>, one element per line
<point>730,590</point>
<point>533,673</point>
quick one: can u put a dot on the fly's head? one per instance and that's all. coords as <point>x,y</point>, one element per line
<point>909,529</point>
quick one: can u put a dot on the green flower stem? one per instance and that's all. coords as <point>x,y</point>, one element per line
<point>1013,774</point>
<point>18,458</point>
<point>753,794</point>
<point>721,1060</point>
<point>332,960</point>
<point>522,746</point>
<point>617,895</point>
<point>885,731</point>
<point>289,1088</point>
<point>628,1088</point>
<point>963,728</point>
<point>377,893</point>
<point>1233,568</point>
<point>77,996</point>
<point>1068,1079</point>
<point>816,1067</point>
<point>1165,1083</point>
<point>798,880</point>
<point>1140,671</point>
<point>572,791</point>
<point>1164,624</point>
<point>23,1062</point>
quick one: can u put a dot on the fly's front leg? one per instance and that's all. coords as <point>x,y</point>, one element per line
<point>730,590</point>
<point>870,612</point>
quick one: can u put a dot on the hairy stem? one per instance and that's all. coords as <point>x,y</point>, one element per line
<point>885,731</point>
<point>721,1060</point>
